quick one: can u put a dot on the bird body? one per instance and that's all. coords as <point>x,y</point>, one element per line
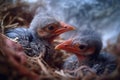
<point>104,63</point>
<point>86,47</point>
<point>32,45</point>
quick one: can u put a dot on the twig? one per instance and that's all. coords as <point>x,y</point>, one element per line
<point>43,67</point>
<point>12,25</point>
<point>12,20</point>
<point>62,73</point>
<point>2,22</point>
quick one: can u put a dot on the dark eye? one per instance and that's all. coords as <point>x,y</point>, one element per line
<point>82,47</point>
<point>51,28</point>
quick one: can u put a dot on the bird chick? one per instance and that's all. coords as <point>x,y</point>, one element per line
<point>86,47</point>
<point>39,36</point>
<point>48,27</point>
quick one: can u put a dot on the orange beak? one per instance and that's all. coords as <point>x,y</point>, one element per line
<point>63,28</point>
<point>67,46</point>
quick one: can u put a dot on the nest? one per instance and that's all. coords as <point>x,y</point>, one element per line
<point>35,68</point>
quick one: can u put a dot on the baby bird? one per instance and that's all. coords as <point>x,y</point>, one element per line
<point>38,38</point>
<point>86,48</point>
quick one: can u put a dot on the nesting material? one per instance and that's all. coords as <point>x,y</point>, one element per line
<point>14,64</point>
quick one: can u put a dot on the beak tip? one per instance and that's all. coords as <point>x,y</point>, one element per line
<point>71,28</point>
<point>56,48</point>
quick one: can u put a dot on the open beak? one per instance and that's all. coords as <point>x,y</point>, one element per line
<point>64,28</point>
<point>67,46</point>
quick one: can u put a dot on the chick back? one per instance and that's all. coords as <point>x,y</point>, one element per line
<point>32,45</point>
